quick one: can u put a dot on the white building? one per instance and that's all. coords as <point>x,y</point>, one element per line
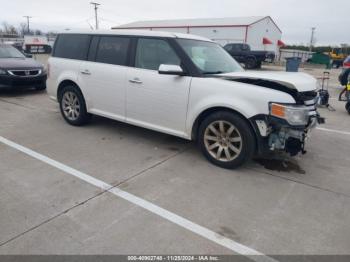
<point>260,32</point>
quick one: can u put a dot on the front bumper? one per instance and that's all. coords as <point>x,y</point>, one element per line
<point>16,82</point>
<point>274,134</point>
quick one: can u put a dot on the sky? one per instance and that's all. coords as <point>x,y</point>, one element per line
<point>294,17</point>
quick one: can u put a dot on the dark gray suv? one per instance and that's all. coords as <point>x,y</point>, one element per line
<point>18,71</point>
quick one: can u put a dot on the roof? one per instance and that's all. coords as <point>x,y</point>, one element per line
<point>137,33</point>
<point>203,22</point>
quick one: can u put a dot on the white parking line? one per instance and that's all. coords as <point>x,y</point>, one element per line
<point>172,217</point>
<point>333,131</point>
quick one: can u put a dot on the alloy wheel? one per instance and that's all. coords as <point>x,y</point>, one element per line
<point>223,141</point>
<point>71,106</point>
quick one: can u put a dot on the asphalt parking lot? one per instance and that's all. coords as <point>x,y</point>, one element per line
<point>159,195</point>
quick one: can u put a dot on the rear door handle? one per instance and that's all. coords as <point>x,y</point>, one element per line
<point>135,81</point>
<point>86,72</point>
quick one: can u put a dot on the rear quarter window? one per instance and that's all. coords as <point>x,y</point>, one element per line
<point>72,46</point>
<point>113,50</point>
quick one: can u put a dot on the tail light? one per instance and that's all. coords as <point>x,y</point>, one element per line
<point>347,64</point>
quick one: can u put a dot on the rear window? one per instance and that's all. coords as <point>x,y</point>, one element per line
<point>72,46</point>
<point>228,47</point>
<point>347,60</point>
<point>235,47</point>
<point>113,50</point>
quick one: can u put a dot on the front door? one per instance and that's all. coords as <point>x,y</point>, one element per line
<point>157,101</point>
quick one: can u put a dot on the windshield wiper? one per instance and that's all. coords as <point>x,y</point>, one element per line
<point>213,73</point>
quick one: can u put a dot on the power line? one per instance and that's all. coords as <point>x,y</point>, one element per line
<point>28,18</point>
<point>96,8</point>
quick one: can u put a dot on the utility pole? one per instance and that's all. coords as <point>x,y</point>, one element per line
<point>28,18</point>
<point>313,29</point>
<point>96,7</point>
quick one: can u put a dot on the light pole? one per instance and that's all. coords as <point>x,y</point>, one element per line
<point>96,8</point>
<point>313,29</point>
<point>28,18</point>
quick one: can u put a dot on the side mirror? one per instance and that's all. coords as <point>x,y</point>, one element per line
<point>170,70</point>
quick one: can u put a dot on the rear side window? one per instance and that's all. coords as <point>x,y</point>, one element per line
<point>347,60</point>
<point>72,46</point>
<point>237,47</point>
<point>113,50</point>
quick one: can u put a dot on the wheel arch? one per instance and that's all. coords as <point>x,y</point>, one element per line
<point>200,118</point>
<point>65,83</point>
<point>252,57</point>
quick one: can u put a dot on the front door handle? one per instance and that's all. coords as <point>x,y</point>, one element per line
<point>86,72</point>
<point>135,81</point>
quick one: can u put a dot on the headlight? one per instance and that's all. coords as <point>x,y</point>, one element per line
<point>293,114</point>
<point>3,72</point>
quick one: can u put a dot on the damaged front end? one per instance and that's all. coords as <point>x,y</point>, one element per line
<point>288,126</point>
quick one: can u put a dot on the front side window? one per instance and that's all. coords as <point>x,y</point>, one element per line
<point>151,53</point>
<point>72,46</point>
<point>113,50</point>
<point>209,57</point>
<point>7,51</point>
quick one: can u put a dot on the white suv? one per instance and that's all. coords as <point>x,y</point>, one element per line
<point>182,85</point>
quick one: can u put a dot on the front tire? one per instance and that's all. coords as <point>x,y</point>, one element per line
<point>226,139</point>
<point>40,88</point>
<point>73,107</point>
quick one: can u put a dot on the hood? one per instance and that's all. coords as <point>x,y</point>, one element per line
<point>19,63</point>
<point>300,82</point>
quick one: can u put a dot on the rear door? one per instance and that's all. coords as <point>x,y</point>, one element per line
<point>154,100</point>
<point>105,75</point>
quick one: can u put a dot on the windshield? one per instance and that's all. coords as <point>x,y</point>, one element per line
<point>210,58</point>
<point>7,51</point>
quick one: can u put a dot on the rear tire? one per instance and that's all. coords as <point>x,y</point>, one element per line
<point>226,139</point>
<point>250,63</point>
<point>73,106</point>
